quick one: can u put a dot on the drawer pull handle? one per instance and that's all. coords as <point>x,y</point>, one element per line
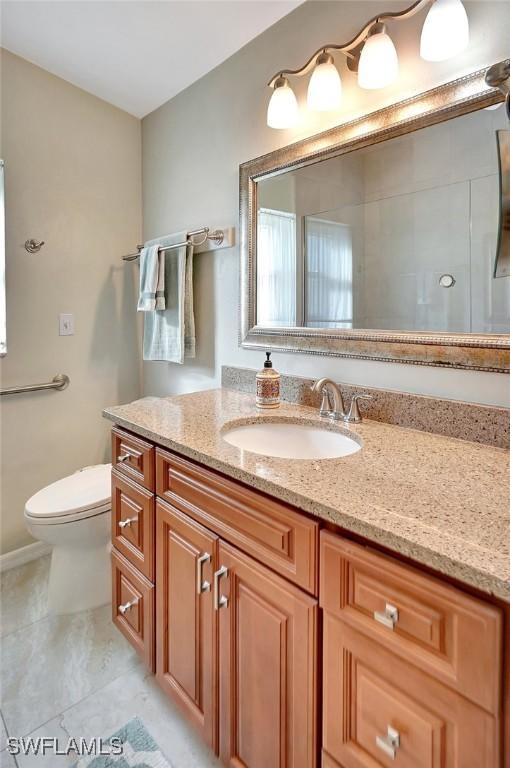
<point>127,606</point>
<point>123,457</point>
<point>202,584</point>
<point>220,601</point>
<point>128,521</point>
<point>388,617</point>
<point>389,743</point>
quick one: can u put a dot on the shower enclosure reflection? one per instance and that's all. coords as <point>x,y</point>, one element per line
<point>401,235</point>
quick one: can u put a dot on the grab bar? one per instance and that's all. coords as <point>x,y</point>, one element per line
<point>60,381</point>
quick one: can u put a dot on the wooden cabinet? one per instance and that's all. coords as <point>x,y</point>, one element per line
<point>133,607</point>
<point>451,636</point>
<point>267,666</point>
<point>263,527</point>
<point>132,523</point>
<point>412,666</point>
<point>186,665</point>
<point>380,711</point>
<point>215,585</point>
<point>133,457</point>
<point>262,659</point>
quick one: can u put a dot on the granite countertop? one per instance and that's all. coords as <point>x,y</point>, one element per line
<point>443,502</point>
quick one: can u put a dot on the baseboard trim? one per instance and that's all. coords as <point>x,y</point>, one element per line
<point>23,555</point>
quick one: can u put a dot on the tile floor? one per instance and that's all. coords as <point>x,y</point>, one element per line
<point>76,676</point>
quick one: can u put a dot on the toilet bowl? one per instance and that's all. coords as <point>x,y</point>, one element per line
<point>73,515</point>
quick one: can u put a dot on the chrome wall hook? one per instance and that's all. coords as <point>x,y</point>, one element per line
<point>33,246</point>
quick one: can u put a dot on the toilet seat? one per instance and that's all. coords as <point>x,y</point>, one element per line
<point>86,493</point>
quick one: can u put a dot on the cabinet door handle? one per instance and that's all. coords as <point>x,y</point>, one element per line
<point>202,584</point>
<point>389,743</point>
<point>127,606</point>
<point>127,521</point>
<point>123,457</point>
<point>220,601</point>
<point>388,617</point>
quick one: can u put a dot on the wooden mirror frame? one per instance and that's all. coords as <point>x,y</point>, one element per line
<point>487,352</point>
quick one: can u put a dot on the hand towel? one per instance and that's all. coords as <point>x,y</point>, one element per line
<point>169,334</point>
<point>152,279</point>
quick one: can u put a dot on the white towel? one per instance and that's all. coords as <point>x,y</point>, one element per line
<point>169,334</point>
<point>152,279</point>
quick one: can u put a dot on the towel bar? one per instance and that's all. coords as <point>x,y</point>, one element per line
<point>220,238</point>
<point>60,381</point>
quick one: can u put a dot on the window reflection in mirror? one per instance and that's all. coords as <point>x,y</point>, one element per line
<point>400,235</point>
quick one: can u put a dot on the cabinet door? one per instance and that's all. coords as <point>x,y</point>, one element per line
<point>185,619</point>
<point>267,666</point>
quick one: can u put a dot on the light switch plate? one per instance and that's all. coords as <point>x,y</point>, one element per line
<point>66,325</point>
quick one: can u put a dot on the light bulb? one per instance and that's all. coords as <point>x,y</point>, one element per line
<point>325,86</point>
<point>445,31</point>
<point>378,63</point>
<point>282,110</point>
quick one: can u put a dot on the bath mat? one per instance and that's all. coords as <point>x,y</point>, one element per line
<point>139,750</point>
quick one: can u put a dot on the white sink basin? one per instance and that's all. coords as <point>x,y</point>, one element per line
<point>288,440</point>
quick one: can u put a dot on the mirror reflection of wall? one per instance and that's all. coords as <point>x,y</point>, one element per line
<point>401,235</point>
<point>3,321</point>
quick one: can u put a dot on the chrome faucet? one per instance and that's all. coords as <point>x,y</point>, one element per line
<point>327,387</point>
<point>335,408</point>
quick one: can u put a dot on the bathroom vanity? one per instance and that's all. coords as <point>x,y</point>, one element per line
<point>349,612</point>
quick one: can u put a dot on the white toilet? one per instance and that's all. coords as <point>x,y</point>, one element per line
<point>73,515</point>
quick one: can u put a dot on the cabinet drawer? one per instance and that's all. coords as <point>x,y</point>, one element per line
<point>269,531</point>
<point>450,635</point>
<point>133,523</point>
<point>380,711</point>
<point>133,607</point>
<point>133,457</point>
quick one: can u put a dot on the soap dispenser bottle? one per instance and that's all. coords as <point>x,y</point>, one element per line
<point>268,385</point>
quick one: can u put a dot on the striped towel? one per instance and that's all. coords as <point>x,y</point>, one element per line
<point>152,279</point>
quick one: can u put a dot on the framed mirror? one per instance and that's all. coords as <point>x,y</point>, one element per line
<point>378,238</point>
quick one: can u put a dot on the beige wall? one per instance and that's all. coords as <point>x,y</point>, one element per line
<point>192,148</point>
<point>73,179</point>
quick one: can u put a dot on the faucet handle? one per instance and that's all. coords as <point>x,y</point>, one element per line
<point>354,415</point>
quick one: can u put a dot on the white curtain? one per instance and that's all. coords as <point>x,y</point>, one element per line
<point>328,274</point>
<point>276,268</point>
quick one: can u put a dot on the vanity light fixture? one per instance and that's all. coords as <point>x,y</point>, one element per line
<point>282,111</point>
<point>445,31</point>
<point>378,62</point>
<point>372,54</point>
<point>325,86</point>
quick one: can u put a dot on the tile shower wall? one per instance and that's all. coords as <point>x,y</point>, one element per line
<point>431,208</point>
<point>192,148</point>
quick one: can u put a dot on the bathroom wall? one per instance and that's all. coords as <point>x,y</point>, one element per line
<point>192,148</point>
<point>73,179</point>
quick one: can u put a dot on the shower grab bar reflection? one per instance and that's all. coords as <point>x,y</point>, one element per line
<point>59,382</point>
